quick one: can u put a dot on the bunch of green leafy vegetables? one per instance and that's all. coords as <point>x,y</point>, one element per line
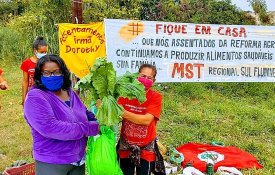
<point>102,83</point>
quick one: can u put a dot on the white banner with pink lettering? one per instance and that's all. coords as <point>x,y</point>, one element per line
<point>184,52</point>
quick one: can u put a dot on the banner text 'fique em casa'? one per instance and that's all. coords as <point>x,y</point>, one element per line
<point>185,52</point>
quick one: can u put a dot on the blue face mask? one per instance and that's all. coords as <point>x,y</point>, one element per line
<point>40,55</point>
<point>53,83</point>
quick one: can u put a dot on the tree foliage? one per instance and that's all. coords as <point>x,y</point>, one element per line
<point>260,8</point>
<point>97,10</point>
<point>7,9</point>
<point>38,18</point>
<point>193,11</point>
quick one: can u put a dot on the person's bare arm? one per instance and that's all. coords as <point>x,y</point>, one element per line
<point>25,84</point>
<point>132,117</point>
<point>138,118</point>
<point>3,83</point>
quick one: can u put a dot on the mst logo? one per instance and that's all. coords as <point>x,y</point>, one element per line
<point>211,156</point>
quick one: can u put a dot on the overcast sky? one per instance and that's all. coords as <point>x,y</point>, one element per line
<point>244,5</point>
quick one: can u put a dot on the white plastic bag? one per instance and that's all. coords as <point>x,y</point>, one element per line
<point>169,169</point>
<point>191,171</point>
<point>222,170</point>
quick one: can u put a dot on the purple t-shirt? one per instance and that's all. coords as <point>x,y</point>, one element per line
<point>59,132</point>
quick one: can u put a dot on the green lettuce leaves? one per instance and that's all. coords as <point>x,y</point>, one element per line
<point>101,83</point>
<point>128,86</point>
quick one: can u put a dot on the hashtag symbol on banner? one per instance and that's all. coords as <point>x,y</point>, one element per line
<point>131,30</point>
<point>135,28</point>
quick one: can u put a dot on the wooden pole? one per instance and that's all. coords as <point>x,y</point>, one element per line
<point>77,12</point>
<point>80,12</point>
<point>74,11</point>
<point>77,18</point>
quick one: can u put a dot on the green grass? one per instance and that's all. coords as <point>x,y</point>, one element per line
<point>195,113</point>
<point>15,137</point>
<point>238,114</point>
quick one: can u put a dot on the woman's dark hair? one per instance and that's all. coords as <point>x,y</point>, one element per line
<point>56,59</point>
<point>148,66</point>
<point>39,42</point>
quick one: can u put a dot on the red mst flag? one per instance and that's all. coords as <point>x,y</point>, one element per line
<point>201,154</point>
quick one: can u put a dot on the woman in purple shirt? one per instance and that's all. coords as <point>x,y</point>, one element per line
<point>59,121</point>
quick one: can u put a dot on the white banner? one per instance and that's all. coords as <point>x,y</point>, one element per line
<point>193,52</point>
